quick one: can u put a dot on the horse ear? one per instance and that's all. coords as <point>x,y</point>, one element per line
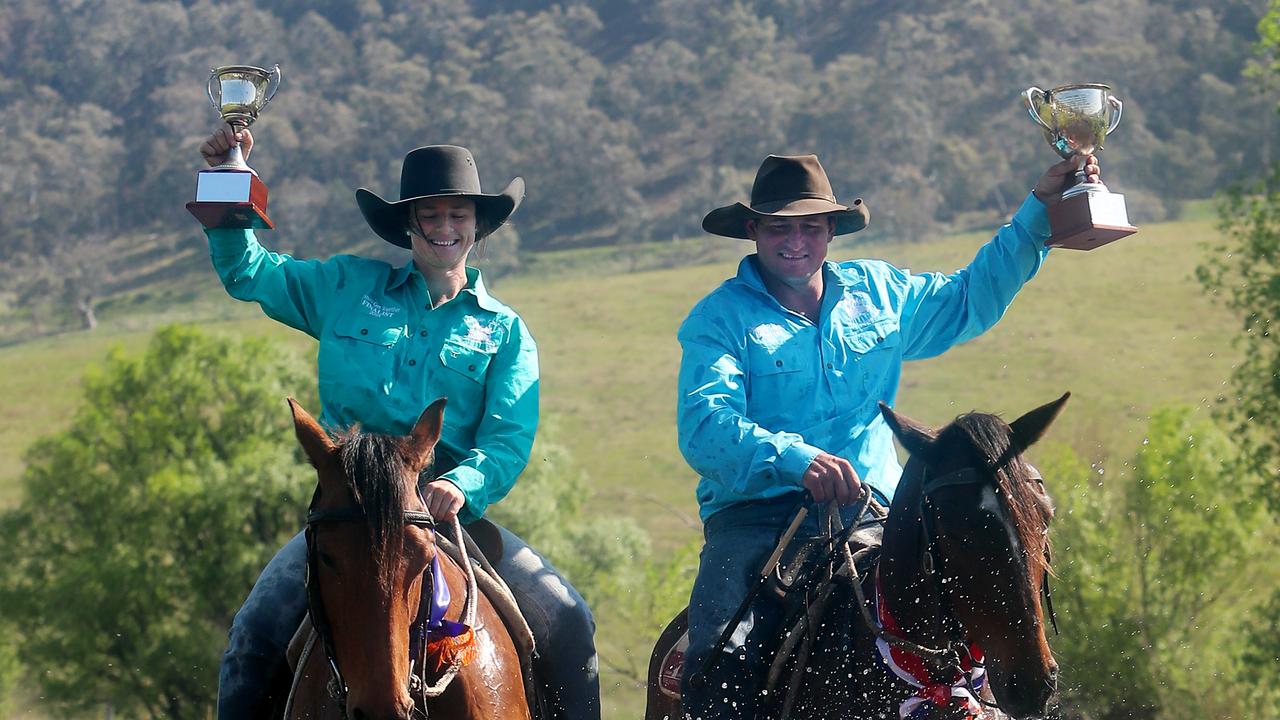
<point>916,438</point>
<point>426,433</point>
<point>314,440</point>
<point>1031,427</point>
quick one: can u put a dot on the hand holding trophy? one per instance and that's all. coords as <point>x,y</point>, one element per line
<point>1076,119</point>
<point>230,195</point>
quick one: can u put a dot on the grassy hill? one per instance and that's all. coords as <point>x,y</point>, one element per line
<point>1126,328</point>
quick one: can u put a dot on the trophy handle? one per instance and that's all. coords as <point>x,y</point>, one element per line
<point>273,84</point>
<point>1119,106</point>
<point>208,88</point>
<point>1030,98</point>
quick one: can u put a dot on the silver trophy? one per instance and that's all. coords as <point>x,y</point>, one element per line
<point>1076,120</point>
<point>238,93</point>
<point>231,195</point>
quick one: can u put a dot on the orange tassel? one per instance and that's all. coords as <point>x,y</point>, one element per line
<point>449,651</point>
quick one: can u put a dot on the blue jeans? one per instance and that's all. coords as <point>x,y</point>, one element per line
<point>563,629</point>
<point>737,541</point>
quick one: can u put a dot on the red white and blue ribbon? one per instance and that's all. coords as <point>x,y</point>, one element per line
<point>911,669</point>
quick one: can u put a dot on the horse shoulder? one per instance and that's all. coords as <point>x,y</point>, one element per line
<point>491,685</point>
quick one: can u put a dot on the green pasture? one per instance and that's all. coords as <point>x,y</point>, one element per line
<point>1125,328</point>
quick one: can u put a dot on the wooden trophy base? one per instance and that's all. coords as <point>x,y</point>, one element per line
<point>1088,220</point>
<point>234,199</point>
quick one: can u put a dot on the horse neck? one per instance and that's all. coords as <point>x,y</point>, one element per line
<point>910,594</point>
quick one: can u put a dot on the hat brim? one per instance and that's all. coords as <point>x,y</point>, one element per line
<point>388,218</point>
<point>731,220</point>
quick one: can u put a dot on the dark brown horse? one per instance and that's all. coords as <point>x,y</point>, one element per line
<point>962,569</point>
<point>371,547</point>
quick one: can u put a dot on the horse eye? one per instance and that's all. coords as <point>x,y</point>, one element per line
<point>327,560</point>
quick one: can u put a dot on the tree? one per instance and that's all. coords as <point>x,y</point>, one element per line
<point>1244,271</point>
<point>546,508</point>
<point>1158,564</point>
<point>142,526</point>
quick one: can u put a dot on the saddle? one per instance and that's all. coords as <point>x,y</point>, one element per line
<point>484,548</point>
<point>805,565</point>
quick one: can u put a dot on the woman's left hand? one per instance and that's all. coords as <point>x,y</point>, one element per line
<point>443,499</point>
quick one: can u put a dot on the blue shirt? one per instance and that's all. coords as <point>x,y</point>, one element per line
<point>763,390</point>
<point>385,354</point>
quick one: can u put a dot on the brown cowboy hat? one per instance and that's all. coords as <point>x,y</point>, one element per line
<point>787,186</point>
<point>437,171</point>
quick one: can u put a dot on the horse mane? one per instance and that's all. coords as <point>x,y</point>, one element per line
<point>374,468</point>
<point>990,437</point>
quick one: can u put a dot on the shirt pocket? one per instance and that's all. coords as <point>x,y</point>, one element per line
<point>357,359</point>
<point>874,350</point>
<point>779,380</point>
<point>466,360</point>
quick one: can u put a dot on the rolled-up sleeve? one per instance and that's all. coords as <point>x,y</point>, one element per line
<point>294,292</point>
<point>505,434</point>
<point>939,311</point>
<point>715,435</point>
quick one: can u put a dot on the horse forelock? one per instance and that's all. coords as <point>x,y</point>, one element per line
<point>991,439</point>
<point>375,473</point>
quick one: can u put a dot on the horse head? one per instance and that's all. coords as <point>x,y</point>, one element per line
<point>370,541</point>
<point>966,548</point>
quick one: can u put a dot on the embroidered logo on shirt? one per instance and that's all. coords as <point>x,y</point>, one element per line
<point>771,336</point>
<point>480,335</point>
<point>857,309</point>
<point>377,310</point>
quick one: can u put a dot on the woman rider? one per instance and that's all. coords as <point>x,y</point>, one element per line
<point>391,340</point>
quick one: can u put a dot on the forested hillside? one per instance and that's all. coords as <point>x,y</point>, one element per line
<point>628,118</point>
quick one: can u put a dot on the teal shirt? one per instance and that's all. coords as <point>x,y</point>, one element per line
<point>763,390</point>
<point>385,354</point>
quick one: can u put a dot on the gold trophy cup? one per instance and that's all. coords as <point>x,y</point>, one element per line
<point>1075,120</point>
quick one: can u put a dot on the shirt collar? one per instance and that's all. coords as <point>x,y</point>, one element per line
<point>475,284</point>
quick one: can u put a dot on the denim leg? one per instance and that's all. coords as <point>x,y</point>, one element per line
<point>261,631</point>
<point>728,567</point>
<point>563,630</point>
<point>737,541</point>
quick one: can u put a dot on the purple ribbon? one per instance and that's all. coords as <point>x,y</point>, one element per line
<point>436,626</point>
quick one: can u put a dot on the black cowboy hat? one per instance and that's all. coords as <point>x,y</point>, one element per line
<point>787,186</point>
<point>437,171</point>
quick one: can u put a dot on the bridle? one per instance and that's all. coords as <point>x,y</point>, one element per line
<point>946,623</point>
<point>931,561</point>
<point>315,604</point>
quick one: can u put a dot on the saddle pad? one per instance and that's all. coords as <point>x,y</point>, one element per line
<point>672,668</point>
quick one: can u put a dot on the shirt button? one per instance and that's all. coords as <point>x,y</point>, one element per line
<point>471,368</point>
<point>364,331</point>
<point>830,366</point>
<point>412,362</point>
<point>778,363</point>
<point>423,333</point>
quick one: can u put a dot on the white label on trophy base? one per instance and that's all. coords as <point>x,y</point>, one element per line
<point>223,186</point>
<point>1107,208</point>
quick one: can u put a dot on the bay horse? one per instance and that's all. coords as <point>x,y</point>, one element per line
<point>371,546</point>
<point>949,622</point>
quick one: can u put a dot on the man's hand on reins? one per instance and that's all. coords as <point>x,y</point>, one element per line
<point>443,500</point>
<point>830,477</point>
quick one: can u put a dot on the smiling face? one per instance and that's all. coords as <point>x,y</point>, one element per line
<point>791,250</point>
<point>442,231</point>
